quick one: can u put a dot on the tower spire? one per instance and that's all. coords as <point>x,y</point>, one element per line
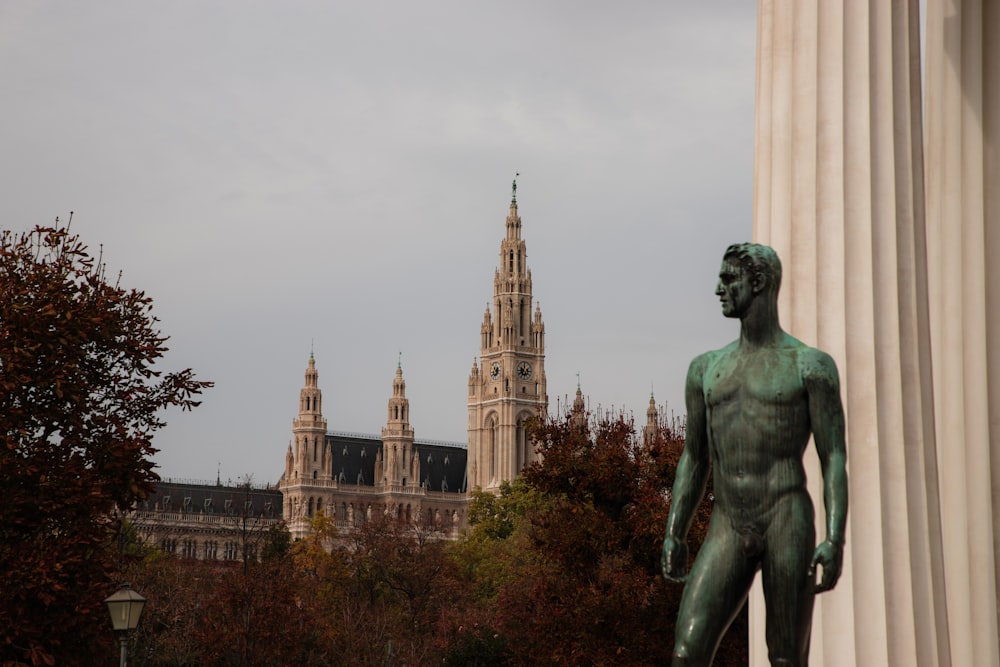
<point>652,420</point>
<point>508,386</point>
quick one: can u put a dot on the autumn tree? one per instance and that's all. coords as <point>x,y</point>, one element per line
<point>384,590</point>
<point>80,401</point>
<point>566,559</point>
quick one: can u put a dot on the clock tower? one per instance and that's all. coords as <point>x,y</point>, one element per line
<point>507,384</point>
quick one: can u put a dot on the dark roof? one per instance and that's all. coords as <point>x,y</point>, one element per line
<point>442,468</point>
<point>442,464</point>
<point>354,457</point>
<point>213,499</point>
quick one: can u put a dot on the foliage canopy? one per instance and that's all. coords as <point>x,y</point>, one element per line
<point>80,400</point>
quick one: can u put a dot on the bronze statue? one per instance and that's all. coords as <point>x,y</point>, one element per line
<point>751,407</point>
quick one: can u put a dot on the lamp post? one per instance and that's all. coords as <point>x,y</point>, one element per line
<point>125,607</point>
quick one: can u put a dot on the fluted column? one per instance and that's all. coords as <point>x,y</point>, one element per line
<point>963,233</point>
<point>838,192</point>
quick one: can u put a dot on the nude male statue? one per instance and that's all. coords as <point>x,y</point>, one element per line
<point>751,407</point>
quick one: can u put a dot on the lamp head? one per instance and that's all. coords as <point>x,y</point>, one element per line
<point>125,606</point>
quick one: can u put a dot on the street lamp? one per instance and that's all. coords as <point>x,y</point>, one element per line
<point>125,607</point>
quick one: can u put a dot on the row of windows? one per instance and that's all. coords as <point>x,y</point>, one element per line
<point>351,515</point>
<point>208,506</point>
<point>208,550</point>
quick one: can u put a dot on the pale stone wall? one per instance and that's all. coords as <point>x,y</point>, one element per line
<point>962,107</point>
<point>905,301</point>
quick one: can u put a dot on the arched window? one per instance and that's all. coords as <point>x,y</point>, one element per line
<point>310,510</point>
<point>493,446</point>
<point>521,444</point>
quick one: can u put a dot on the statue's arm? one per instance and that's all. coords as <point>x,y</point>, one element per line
<point>826,414</point>
<point>692,474</point>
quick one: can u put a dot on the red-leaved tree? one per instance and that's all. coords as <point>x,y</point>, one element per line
<point>567,559</point>
<point>80,400</point>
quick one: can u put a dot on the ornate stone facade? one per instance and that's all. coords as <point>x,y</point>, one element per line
<point>208,521</point>
<point>352,476</point>
<point>507,386</point>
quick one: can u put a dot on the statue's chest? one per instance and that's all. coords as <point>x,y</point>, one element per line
<point>766,377</point>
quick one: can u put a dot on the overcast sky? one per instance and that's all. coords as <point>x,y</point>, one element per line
<point>278,176</point>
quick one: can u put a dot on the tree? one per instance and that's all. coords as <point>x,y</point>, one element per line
<point>384,592</point>
<point>80,400</point>
<point>566,559</point>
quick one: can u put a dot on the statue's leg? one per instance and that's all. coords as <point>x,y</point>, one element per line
<point>788,588</point>
<point>714,593</point>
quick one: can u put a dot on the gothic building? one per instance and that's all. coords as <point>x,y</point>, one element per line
<point>350,476</point>
<point>208,521</point>
<point>507,385</point>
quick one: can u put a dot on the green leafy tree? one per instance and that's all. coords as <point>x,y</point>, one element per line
<point>80,400</point>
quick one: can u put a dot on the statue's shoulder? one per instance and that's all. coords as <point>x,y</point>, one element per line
<point>814,364</point>
<point>700,364</point>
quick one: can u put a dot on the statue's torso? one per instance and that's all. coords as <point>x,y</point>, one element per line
<point>758,427</point>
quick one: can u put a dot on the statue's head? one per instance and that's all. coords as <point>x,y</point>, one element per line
<point>749,270</point>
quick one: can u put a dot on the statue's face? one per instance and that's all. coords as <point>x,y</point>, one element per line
<point>734,289</point>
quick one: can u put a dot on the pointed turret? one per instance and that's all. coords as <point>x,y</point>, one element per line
<point>652,422</point>
<point>309,428</point>
<point>310,396</point>
<point>579,411</point>
<point>308,463</point>
<point>538,330</point>
<point>486,331</point>
<point>397,460</point>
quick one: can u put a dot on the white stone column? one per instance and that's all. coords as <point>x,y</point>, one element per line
<point>839,194</point>
<point>962,106</point>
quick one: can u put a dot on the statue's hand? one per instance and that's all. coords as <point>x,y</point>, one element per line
<point>674,559</point>
<point>831,556</point>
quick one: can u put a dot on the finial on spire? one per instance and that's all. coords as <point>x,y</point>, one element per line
<point>399,362</point>
<point>578,380</point>
<point>513,187</point>
<point>312,342</point>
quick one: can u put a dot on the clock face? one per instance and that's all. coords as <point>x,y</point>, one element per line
<point>524,370</point>
<point>495,370</point>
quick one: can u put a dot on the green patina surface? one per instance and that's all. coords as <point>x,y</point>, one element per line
<point>751,408</point>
